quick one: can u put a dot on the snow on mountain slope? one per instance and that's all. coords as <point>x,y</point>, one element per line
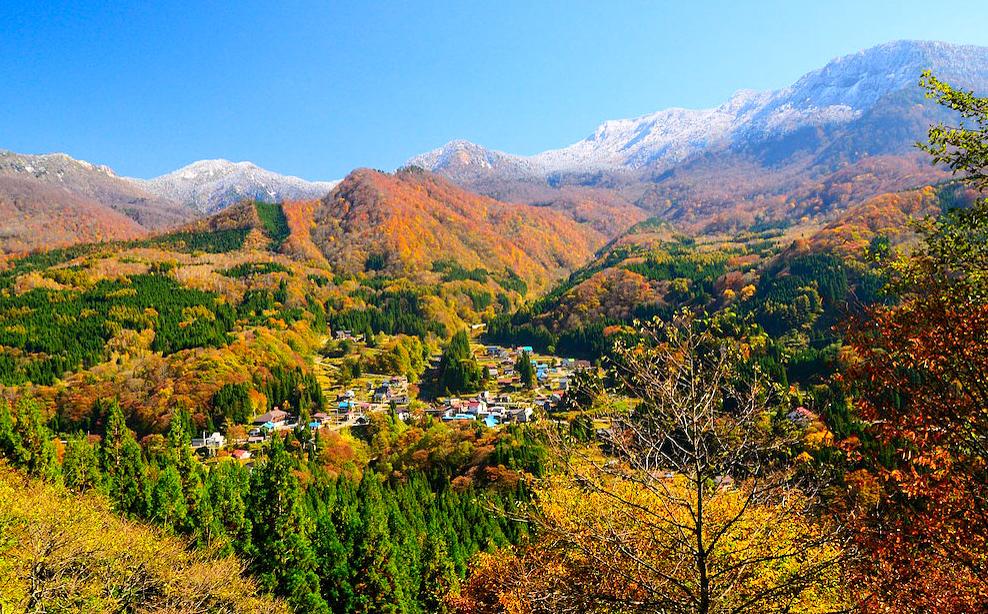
<point>211,185</point>
<point>96,183</point>
<point>836,94</point>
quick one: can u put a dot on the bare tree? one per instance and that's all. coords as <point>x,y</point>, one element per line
<point>691,501</point>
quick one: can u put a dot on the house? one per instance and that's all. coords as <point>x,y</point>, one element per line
<point>212,441</point>
<point>320,417</point>
<point>240,454</point>
<point>523,414</point>
<point>276,418</point>
<point>438,412</point>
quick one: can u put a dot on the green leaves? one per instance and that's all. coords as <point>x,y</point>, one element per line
<point>963,148</point>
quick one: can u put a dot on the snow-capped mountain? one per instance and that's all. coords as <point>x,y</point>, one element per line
<point>837,94</point>
<point>210,185</point>
<point>91,182</point>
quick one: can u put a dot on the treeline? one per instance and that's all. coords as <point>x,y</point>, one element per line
<point>213,241</point>
<point>389,311</point>
<point>586,342</point>
<point>250,269</point>
<point>273,221</point>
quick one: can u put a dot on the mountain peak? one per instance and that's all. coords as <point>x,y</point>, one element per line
<point>836,94</point>
<point>211,185</point>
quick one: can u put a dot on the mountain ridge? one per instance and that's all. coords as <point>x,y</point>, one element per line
<point>820,97</point>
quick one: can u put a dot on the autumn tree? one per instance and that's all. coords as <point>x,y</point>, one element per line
<point>697,508</point>
<point>919,372</point>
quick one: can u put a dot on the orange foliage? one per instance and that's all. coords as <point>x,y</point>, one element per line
<point>411,219</point>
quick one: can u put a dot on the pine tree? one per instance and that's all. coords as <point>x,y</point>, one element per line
<point>228,485</point>
<point>524,368</point>
<point>168,507</point>
<point>38,454</point>
<point>122,463</point>
<point>80,466</point>
<point>10,441</point>
<point>439,577</point>
<point>282,554</point>
<point>376,568</point>
<point>458,369</point>
<point>333,559</point>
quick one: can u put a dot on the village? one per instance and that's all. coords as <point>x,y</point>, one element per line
<point>504,400</point>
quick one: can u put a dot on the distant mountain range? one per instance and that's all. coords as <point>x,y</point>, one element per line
<point>860,115</point>
<point>52,200</point>
<point>836,137</point>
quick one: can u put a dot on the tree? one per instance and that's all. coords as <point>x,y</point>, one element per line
<point>458,369</point>
<point>439,579</point>
<point>697,509</point>
<point>282,554</point>
<point>80,466</point>
<point>525,371</point>
<point>32,441</point>
<point>121,462</point>
<point>375,564</point>
<point>232,404</point>
<point>919,372</point>
<point>228,484</point>
<point>168,507</point>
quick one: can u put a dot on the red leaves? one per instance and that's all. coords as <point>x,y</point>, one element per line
<point>921,382</point>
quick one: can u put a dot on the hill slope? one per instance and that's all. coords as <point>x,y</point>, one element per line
<point>35,215</point>
<point>411,220</point>
<point>94,183</point>
<point>64,552</point>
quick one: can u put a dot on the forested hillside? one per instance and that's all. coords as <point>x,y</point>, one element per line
<point>414,221</point>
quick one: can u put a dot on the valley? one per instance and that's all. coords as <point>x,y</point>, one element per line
<point>719,360</point>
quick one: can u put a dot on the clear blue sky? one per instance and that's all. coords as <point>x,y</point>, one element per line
<point>317,88</point>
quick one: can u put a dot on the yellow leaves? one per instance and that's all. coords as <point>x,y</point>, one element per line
<point>67,552</point>
<point>197,312</point>
<point>627,538</point>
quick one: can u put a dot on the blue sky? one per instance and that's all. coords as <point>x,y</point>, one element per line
<point>317,88</point>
